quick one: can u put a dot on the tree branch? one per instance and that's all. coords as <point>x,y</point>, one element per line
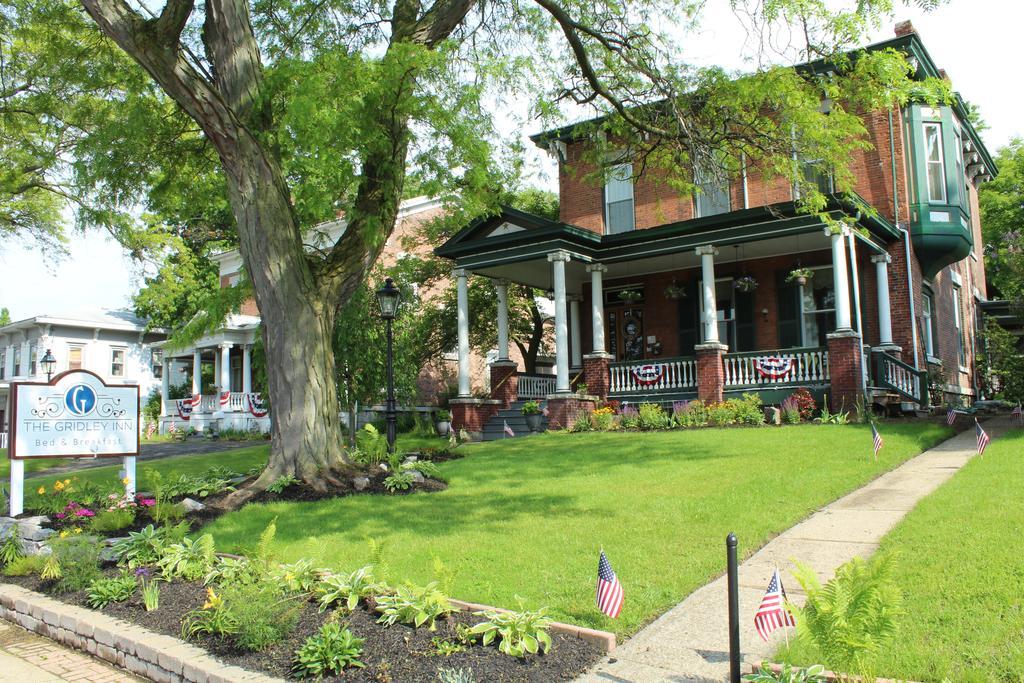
<point>438,22</point>
<point>172,21</point>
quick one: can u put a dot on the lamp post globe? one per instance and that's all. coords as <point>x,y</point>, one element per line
<point>48,362</point>
<point>388,298</point>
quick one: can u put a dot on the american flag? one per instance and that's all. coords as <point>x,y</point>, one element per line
<point>772,614</point>
<point>951,416</point>
<point>508,430</point>
<point>876,439</point>
<point>609,590</point>
<point>982,437</point>
<point>1017,414</point>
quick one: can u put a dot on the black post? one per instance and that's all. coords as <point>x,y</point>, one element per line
<point>734,609</point>
<point>390,413</point>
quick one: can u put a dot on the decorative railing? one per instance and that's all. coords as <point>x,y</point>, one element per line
<point>208,404</point>
<point>640,376</point>
<point>236,402</point>
<point>905,380</point>
<point>767,368</point>
<point>3,439</point>
<point>535,386</point>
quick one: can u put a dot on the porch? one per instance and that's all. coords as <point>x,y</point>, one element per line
<point>701,309</point>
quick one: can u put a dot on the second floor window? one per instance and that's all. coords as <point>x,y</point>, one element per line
<point>816,174</point>
<point>936,167</point>
<point>17,361</point>
<point>33,352</point>
<point>75,357</point>
<point>158,364</point>
<point>3,363</point>
<point>961,353</point>
<point>117,362</point>
<point>712,195</point>
<point>618,200</point>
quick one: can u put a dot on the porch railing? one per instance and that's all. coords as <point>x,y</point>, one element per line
<point>535,386</point>
<point>905,380</point>
<point>640,376</point>
<point>208,404</point>
<point>767,368</point>
<point>236,402</point>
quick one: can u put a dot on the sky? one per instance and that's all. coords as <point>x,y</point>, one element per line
<point>975,41</point>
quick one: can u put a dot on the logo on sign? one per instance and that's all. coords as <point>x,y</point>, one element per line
<point>80,400</point>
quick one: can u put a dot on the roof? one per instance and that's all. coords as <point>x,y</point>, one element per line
<point>910,43</point>
<point>105,319</point>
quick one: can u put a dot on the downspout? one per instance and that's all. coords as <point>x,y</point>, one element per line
<point>906,241</point>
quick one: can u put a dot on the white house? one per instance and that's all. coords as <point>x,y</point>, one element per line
<point>113,344</point>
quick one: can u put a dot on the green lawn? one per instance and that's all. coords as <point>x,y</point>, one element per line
<point>527,517</point>
<point>959,565</point>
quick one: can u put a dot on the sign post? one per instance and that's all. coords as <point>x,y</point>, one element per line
<point>75,415</point>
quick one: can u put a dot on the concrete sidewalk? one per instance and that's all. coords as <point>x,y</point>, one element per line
<point>28,658</point>
<point>690,641</point>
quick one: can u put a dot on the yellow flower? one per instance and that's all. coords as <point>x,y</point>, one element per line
<point>64,534</point>
<point>212,600</point>
<point>42,490</point>
<point>78,529</point>
<point>58,485</point>
<point>126,481</point>
<point>67,482</point>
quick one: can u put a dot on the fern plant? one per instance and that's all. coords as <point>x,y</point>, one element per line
<point>190,559</point>
<point>415,605</point>
<point>853,616</point>
<point>349,589</point>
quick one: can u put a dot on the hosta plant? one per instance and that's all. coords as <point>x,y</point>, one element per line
<point>330,651</point>
<point>102,592</point>
<point>348,589</point>
<point>189,560</point>
<point>297,577</point>
<point>399,481</point>
<point>415,605</point>
<point>144,547</point>
<point>788,674</point>
<point>519,633</point>
<point>227,570</point>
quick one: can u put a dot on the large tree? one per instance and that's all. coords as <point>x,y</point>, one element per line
<point>317,107</point>
<point>1002,221</point>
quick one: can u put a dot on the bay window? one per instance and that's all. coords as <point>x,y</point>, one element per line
<point>934,162</point>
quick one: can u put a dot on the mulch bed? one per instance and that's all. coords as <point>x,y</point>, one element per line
<point>397,653</point>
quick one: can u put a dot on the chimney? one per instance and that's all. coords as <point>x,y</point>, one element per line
<point>905,28</point>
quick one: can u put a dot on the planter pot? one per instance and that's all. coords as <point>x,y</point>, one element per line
<point>534,421</point>
<point>801,281</point>
<point>443,427</point>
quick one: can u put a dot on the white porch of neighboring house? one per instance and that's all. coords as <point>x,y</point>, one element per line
<point>230,403</point>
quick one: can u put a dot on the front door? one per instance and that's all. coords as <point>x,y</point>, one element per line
<point>626,333</point>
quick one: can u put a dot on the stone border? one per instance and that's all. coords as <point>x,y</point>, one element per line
<point>155,656</point>
<point>602,639</point>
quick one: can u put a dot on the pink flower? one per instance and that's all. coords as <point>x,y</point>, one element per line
<point>85,512</point>
<point>147,502</point>
<point>60,515</point>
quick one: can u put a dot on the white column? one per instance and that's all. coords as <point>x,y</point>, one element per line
<point>881,262</point>
<point>225,366</point>
<point>247,369</point>
<point>9,362</point>
<point>165,386</point>
<point>17,504</point>
<point>707,255</point>
<point>574,330</point>
<point>840,280</point>
<point>596,271</point>
<point>197,372</point>
<point>558,260</point>
<point>501,292</point>
<point>461,275</point>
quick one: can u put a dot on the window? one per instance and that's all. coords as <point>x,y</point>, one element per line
<point>3,363</point>
<point>815,174</point>
<point>75,357</point>
<point>157,364</point>
<point>117,362</point>
<point>936,168</point>
<point>958,322</point>
<point>618,200</point>
<point>33,351</point>
<point>712,196</point>
<point>818,307</point>
<point>928,324</point>
<point>17,361</point>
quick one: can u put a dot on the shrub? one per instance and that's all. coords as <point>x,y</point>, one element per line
<point>603,419</point>
<point>399,481</point>
<point>416,605</point>
<point>804,403</point>
<point>210,619</point>
<point>189,559</point>
<point>749,409</point>
<point>630,418</point>
<point>349,589</point>
<point>102,592</point>
<point>10,549</point>
<point>531,408</point>
<point>330,651</point>
<point>29,565</point>
<point>851,617</point>
<point>582,423</point>
<point>653,416</point>
<point>721,414</point>
<point>254,616</point>
<point>790,411</point>
<point>372,446</point>
<point>520,633</point>
<point>165,512</point>
<point>145,547</point>
<point>693,414</point>
<point>109,521</point>
<point>75,561</point>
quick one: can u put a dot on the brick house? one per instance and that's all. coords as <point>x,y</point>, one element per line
<point>655,294</point>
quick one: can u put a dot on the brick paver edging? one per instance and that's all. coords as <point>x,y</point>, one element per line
<point>152,655</point>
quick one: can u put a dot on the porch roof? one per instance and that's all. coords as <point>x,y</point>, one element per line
<point>501,243</point>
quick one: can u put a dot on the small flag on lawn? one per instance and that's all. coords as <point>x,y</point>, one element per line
<point>609,590</point>
<point>1018,415</point>
<point>508,430</point>
<point>950,416</point>
<point>982,437</point>
<point>876,439</point>
<point>772,614</point>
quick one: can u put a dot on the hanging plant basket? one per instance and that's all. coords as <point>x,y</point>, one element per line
<point>630,295</point>
<point>745,284</point>
<point>675,291</point>
<point>800,275</point>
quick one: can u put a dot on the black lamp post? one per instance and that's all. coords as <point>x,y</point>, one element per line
<point>388,297</point>
<point>48,361</point>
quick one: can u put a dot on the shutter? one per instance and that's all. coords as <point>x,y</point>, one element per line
<point>746,333</point>
<point>689,319</point>
<point>788,298</point>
